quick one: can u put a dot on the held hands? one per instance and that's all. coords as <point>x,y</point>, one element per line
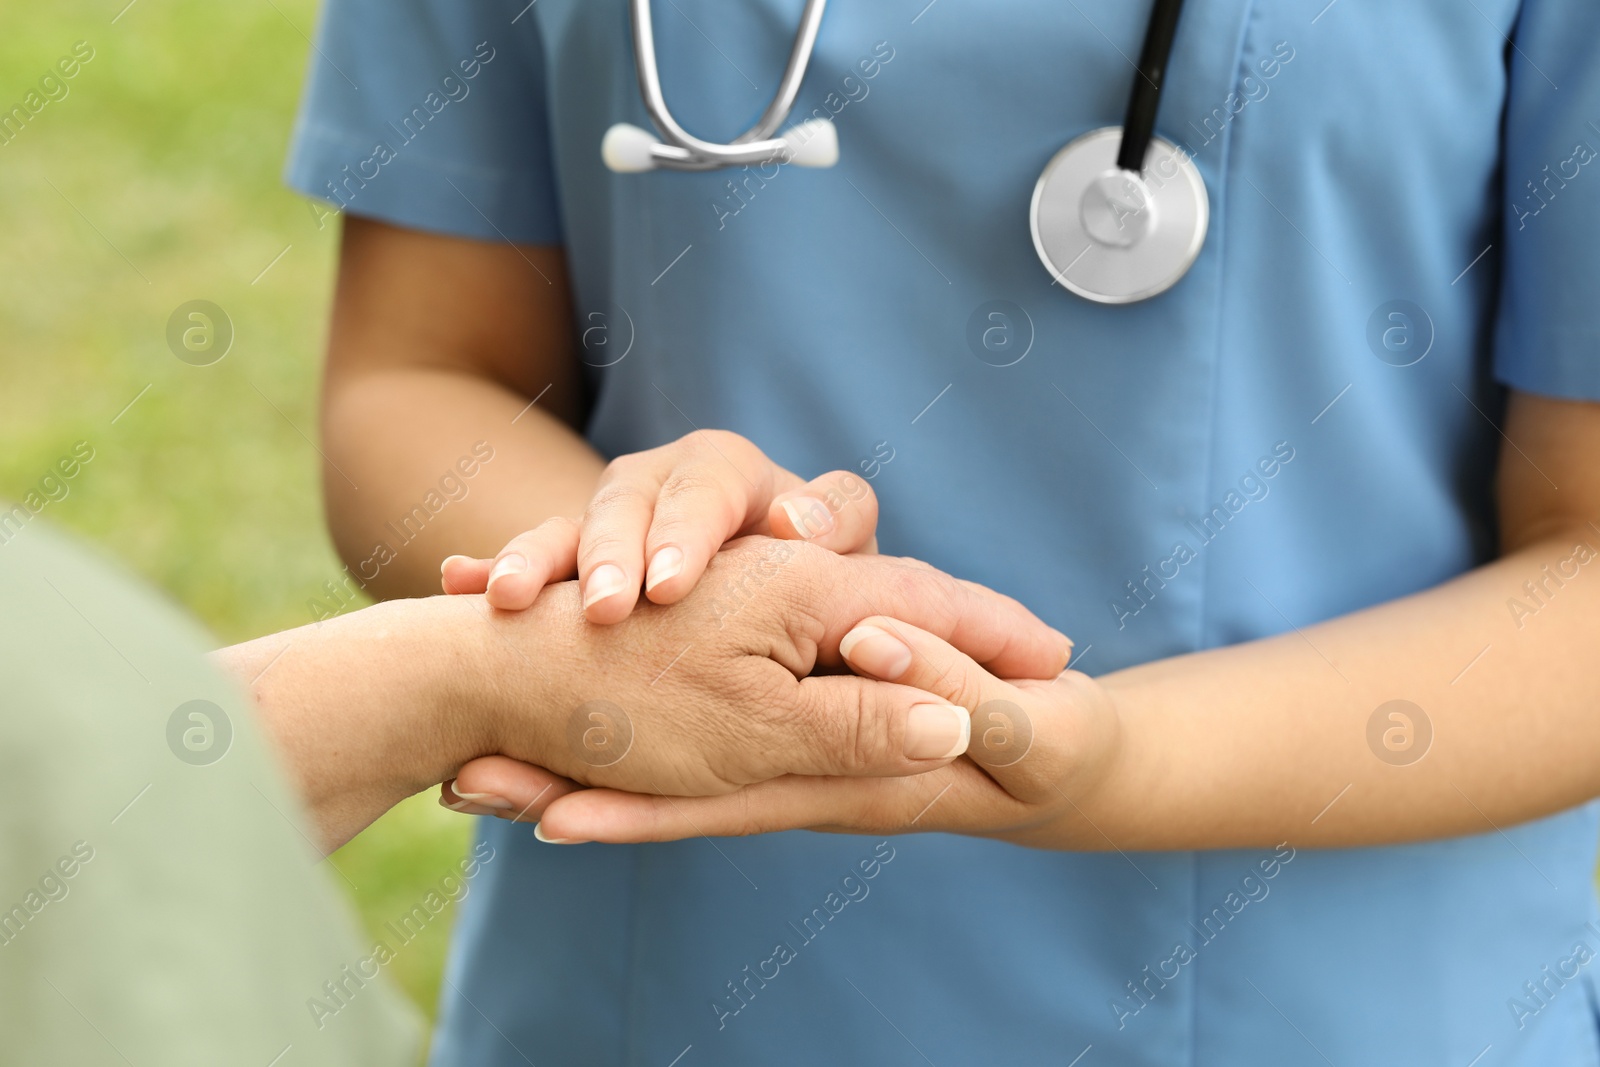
<point>659,519</point>
<point>1039,754</point>
<point>701,698</point>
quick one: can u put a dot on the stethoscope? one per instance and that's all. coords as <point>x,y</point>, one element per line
<point>1118,215</point>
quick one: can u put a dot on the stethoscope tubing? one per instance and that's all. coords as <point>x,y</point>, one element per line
<point>682,149</point>
<point>1139,126</point>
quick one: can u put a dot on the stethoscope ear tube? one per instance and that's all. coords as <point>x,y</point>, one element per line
<point>630,149</point>
<point>1140,124</point>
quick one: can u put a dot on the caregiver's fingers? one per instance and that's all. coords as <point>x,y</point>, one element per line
<point>1016,735</point>
<point>791,803</point>
<point>513,577</point>
<point>505,788</point>
<point>994,629</point>
<point>530,561</point>
<point>464,574</point>
<point>611,548</point>
<point>715,495</point>
<point>838,511</point>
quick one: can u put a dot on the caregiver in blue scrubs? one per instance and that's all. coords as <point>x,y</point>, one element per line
<point>1319,516</point>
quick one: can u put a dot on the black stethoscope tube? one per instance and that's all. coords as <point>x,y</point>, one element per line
<point>1140,125</point>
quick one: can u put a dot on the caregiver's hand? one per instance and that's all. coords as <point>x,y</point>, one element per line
<point>718,691</point>
<point>659,516</point>
<point>1037,750</point>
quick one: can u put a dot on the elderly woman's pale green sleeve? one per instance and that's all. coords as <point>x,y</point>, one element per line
<point>160,901</point>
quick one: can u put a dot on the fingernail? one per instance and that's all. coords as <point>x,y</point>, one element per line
<point>937,731</point>
<point>605,580</point>
<point>876,651</point>
<point>451,559</point>
<point>488,800</point>
<point>466,807</point>
<point>668,563</point>
<point>809,516</point>
<point>512,564</point>
<point>538,831</point>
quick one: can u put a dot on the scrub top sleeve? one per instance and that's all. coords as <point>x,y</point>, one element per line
<point>1547,337</point>
<point>430,114</point>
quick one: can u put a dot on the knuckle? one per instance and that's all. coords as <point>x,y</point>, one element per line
<point>961,686</point>
<point>859,744</point>
<point>553,531</point>
<point>557,526</point>
<point>690,480</point>
<point>844,731</point>
<point>613,496</point>
<point>623,468</point>
<point>692,497</point>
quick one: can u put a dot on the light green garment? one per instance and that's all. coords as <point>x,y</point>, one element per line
<point>158,905</point>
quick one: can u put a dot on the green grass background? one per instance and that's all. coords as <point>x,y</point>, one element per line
<point>155,182</point>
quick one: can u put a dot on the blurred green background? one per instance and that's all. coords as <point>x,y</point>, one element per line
<point>155,181</point>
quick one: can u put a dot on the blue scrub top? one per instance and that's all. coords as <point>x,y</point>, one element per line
<point>1265,445</point>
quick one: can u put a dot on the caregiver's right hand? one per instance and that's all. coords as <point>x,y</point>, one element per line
<point>718,691</point>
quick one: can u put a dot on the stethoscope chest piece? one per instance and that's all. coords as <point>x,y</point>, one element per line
<point>1115,236</point>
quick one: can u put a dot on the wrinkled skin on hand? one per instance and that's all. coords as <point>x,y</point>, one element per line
<point>719,690</point>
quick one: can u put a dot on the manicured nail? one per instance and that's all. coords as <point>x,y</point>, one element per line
<point>876,651</point>
<point>809,516</point>
<point>512,564</point>
<point>467,807</point>
<point>937,731</point>
<point>488,800</point>
<point>668,563</point>
<point>605,580</point>
<point>538,831</point>
<point>1068,642</point>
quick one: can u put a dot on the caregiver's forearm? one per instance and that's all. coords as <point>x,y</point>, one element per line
<point>450,402</point>
<point>1273,740</point>
<point>373,706</point>
<point>398,433</point>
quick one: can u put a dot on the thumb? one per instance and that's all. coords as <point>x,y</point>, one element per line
<point>1012,735</point>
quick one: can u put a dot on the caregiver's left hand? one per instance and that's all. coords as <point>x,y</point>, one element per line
<point>1038,750</point>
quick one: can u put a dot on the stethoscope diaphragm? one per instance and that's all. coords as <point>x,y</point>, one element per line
<point>1116,236</point>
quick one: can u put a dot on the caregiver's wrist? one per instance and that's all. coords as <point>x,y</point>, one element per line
<point>1105,785</point>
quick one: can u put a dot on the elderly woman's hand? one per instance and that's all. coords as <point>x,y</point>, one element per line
<point>1038,749</point>
<point>720,691</point>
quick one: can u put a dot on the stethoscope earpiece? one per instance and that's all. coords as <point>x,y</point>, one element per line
<point>628,149</point>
